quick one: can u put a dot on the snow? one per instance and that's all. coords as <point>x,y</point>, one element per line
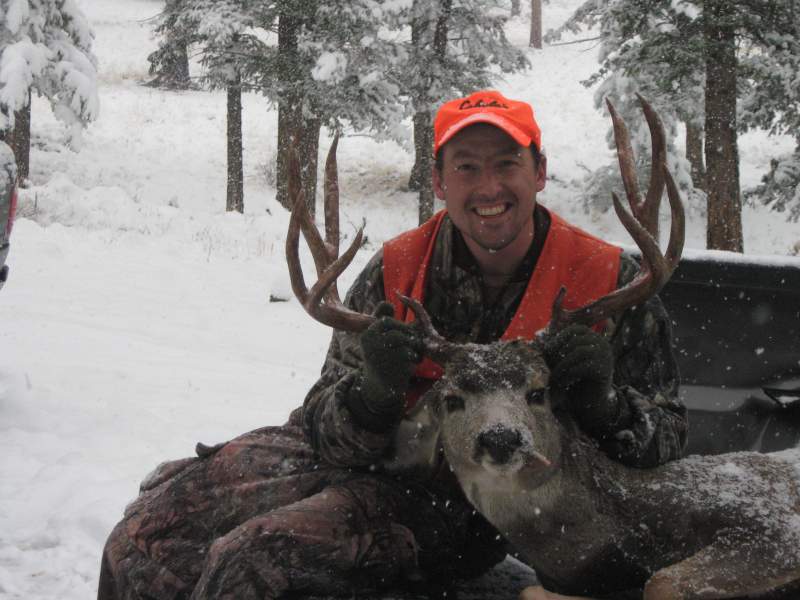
<point>136,320</point>
<point>330,67</point>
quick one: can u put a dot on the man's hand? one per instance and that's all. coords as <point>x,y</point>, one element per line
<point>582,366</point>
<point>391,350</point>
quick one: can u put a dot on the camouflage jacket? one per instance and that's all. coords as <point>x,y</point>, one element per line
<point>463,310</point>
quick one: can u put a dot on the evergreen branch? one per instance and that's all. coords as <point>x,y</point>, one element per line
<point>580,41</point>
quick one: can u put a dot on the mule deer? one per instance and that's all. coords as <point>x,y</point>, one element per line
<point>703,527</point>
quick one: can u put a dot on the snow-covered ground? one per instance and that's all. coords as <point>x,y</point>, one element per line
<point>137,320</point>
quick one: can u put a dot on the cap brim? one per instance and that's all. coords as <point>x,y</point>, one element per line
<point>492,119</point>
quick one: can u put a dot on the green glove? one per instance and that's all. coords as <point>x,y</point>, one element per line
<point>582,367</point>
<point>391,350</point>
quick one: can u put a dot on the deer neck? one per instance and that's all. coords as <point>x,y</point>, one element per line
<point>572,501</point>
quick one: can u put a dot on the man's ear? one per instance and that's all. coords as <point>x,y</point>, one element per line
<point>541,173</point>
<point>438,184</point>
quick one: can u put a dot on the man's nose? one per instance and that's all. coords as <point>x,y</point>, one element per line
<point>489,183</point>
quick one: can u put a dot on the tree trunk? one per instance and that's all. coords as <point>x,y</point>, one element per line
<point>171,66</point>
<point>423,144</point>
<point>285,143</point>
<point>309,156</point>
<point>724,230</point>
<point>418,30</point>
<point>179,66</point>
<point>536,24</point>
<point>423,119</point>
<point>295,130</point>
<point>301,135</point>
<point>19,140</point>
<point>235,200</point>
<point>422,135</point>
<point>515,8</point>
<point>694,154</point>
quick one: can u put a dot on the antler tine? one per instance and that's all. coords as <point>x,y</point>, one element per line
<point>627,166</point>
<point>658,161</point>
<point>293,253</point>
<point>436,346</point>
<point>331,193</point>
<point>646,212</point>
<point>677,232</point>
<point>332,198</point>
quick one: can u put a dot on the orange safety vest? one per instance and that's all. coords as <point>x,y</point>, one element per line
<point>587,266</point>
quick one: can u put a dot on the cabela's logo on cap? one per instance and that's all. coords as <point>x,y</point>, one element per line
<point>481,103</point>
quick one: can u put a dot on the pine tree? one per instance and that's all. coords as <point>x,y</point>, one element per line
<point>45,45</point>
<point>692,55</point>
<point>169,63</point>
<point>331,66</point>
<point>360,65</point>
<point>774,105</point>
<point>335,67</point>
<point>454,49</point>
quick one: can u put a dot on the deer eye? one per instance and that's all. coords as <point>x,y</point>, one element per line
<point>453,402</point>
<point>535,397</point>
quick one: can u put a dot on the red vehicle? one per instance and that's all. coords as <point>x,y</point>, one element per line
<point>8,204</point>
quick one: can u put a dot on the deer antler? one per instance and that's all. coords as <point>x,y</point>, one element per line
<point>656,269</point>
<point>322,300</point>
<point>645,211</point>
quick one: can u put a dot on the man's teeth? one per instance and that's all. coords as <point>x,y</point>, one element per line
<point>490,211</point>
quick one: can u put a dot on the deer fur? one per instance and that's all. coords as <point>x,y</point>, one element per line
<point>721,526</point>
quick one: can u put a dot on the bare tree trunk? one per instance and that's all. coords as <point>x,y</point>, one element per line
<point>235,200</point>
<point>181,70</point>
<point>294,129</point>
<point>285,143</point>
<point>536,24</point>
<point>19,139</point>
<point>309,156</point>
<point>302,135</point>
<point>722,156</point>
<point>423,119</point>
<point>422,122</point>
<point>418,30</point>
<point>423,143</point>
<point>694,154</point>
<point>515,8</point>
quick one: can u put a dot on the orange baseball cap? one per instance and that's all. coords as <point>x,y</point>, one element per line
<point>487,106</point>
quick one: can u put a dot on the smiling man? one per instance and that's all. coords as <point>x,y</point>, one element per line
<point>487,268</point>
<point>353,494</point>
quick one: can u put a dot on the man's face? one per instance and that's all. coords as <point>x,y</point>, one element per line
<point>489,184</point>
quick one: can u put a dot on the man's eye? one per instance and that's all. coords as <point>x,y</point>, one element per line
<point>508,164</point>
<point>535,397</point>
<point>466,168</point>
<point>453,402</point>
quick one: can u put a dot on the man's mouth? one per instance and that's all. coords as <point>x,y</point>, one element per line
<point>491,211</point>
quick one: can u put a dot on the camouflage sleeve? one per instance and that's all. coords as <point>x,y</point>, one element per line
<point>327,421</point>
<point>646,378</point>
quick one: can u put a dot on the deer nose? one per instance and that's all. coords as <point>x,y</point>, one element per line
<point>500,443</point>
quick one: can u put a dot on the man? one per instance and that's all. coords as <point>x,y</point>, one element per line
<point>371,504</point>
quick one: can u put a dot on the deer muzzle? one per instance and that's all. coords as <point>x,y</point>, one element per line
<point>499,443</point>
